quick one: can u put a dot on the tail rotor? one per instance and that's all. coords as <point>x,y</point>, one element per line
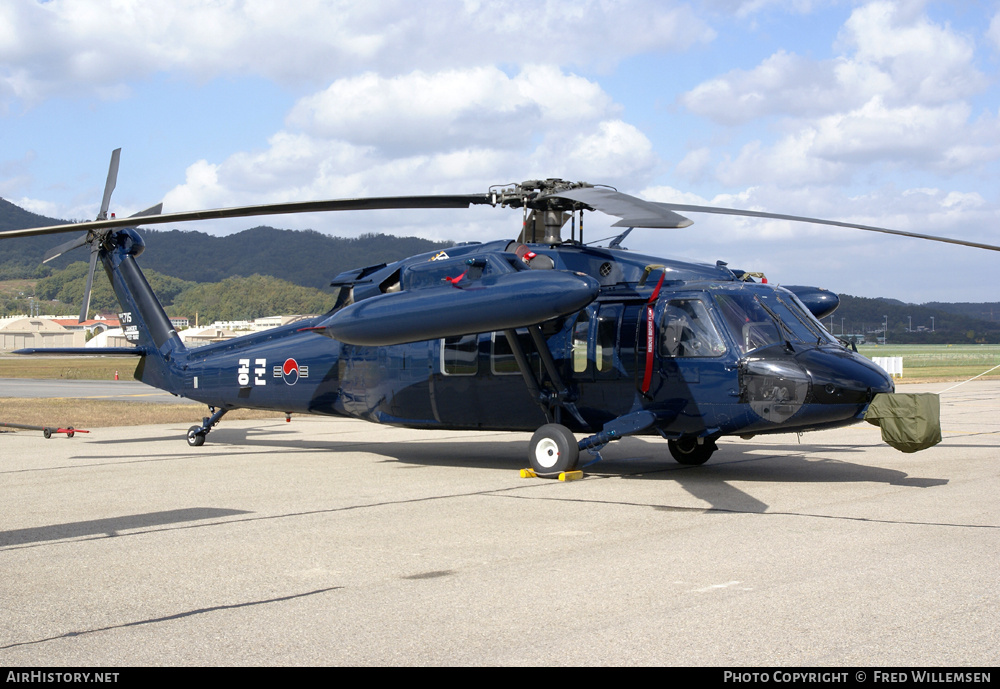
<point>97,238</point>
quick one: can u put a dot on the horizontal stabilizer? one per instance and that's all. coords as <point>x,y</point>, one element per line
<point>495,303</point>
<point>82,351</point>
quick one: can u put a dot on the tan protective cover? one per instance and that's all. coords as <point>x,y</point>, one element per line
<point>909,422</point>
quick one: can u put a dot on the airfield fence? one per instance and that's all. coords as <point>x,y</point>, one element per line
<point>938,360</point>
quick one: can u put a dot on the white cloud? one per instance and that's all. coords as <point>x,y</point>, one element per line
<point>456,131</point>
<point>832,148</point>
<point>784,83</point>
<point>695,164</point>
<point>874,131</point>
<point>421,111</point>
<point>926,63</point>
<point>614,152</point>
<point>747,8</point>
<point>901,58</point>
<point>993,32</point>
<point>897,96</point>
<point>94,47</point>
<point>788,162</point>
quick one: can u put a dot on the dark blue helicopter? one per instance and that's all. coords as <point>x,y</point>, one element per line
<point>539,334</point>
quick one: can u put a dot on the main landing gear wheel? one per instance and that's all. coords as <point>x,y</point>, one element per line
<point>553,450</point>
<point>688,451</point>
<point>195,437</point>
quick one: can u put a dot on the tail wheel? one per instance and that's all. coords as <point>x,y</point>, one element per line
<point>195,437</point>
<point>553,450</point>
<point>690,452</point>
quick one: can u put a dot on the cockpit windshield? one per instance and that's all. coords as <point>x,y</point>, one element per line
<point>750,323</point>
<point>799,315</point>
<point>760,319</point>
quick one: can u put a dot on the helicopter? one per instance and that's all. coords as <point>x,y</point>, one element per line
<point>541,333</point>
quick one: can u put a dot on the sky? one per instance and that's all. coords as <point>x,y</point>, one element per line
<point>883,113</point>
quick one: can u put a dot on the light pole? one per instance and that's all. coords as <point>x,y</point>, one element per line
<point>885,330</point>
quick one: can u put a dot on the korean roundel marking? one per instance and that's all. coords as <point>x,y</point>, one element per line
<point>290,371</point>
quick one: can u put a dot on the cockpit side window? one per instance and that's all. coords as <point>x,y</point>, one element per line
<point>687,330</point>
<point>816,329</point>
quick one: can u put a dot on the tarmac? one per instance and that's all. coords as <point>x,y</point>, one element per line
<point>335,542</point>
<point>108,390</point>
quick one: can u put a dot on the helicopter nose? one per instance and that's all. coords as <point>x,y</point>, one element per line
<point>811,387</point>
<point>843,377</point>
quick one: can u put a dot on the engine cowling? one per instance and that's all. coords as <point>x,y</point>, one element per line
<point>820,302</point>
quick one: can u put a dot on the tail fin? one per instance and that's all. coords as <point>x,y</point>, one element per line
<point>143,319</point>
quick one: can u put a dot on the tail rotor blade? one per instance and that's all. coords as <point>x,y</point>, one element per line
<point>94,250</point>
<point>58,251</point>
<point>109,186</point>
<point>152,210</point>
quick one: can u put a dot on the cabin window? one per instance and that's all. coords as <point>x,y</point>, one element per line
<point>438,273</point>
<point>687,330</point>
<point>607,337</point>
<point>581,335</point>
<point>460,355</point>
<point>502,361</point>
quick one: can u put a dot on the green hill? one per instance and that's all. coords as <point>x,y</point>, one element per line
<point>252,273</point>
<point>305,257</point>
<point>937,323</point>
<point>302,257</point>
<point>22,257</point>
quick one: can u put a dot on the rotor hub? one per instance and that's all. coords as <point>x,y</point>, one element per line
<point>539,194</point>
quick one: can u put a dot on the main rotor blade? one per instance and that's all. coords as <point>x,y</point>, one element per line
<point>375,203</point>
<point>109,186</point>
<point>634,212</point>
<point>798,218</point>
